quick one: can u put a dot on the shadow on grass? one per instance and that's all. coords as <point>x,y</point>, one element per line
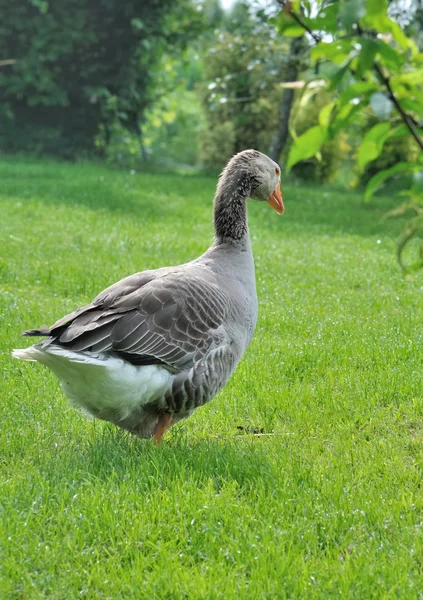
<point>115,455</point>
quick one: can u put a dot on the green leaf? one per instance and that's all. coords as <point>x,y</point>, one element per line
<point>351,12</point>
<point>344,117</point>
<point>293,30</point>
<point>410,105</point>
<point>359,90</point>
<point>380,177</point>
<point>399,35</point>
<point>408,91</point>
<point>309,90</point>
<point>368,151</point>
<point>372,144</point>
<point>306,145</point>
<point>137,24</point>
<point>288,26</point>
<point>325,114</point>
<point>376,7</point>
<point>336,79</point>
<point>390,56</point>
<point>378,132</point>
<point>366,58</point>
<point>383,24</point>
<point>337,52</point>
<point>327,18</point>
<point>418,183</point>
<point>415,76</point>
<point>400,131</point>
<point>41,5</point>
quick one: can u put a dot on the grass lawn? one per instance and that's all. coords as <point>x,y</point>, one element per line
<point>328,504</point>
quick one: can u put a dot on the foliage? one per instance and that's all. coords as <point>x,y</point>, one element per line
<point>171,131</point>
<point>213,13</point>
<point>326,504</point>
<point>242,71</point>
<point>172,120</point>
<point>79,66</point>
<point>395,150</point>
<point>376,67</point>
<point>331,153</point>
<point>218,142</point>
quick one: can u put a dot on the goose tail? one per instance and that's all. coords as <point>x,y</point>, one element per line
<point>32,353</point>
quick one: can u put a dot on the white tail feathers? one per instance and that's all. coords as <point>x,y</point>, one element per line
<point>30,353</point>
<point>51,353</point>
<point>99,382</point>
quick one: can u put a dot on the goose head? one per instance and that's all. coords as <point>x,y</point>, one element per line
<point>257,175</point>
<point>266,181</point>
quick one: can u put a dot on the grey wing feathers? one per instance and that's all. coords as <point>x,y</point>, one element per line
<point>164,316</point>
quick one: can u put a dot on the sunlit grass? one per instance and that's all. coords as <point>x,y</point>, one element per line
<point>327,503</point>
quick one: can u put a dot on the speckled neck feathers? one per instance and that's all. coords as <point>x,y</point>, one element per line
<point>230,211</point>
<point>230,202</point>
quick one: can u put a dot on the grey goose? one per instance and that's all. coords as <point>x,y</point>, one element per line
<point>156,345</point>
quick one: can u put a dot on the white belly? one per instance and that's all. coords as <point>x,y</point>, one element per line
<point>98,382</point>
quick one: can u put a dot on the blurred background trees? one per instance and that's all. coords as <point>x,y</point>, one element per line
<point>190,82</point>
<point>244,64</point>
<point>134,81</point>
<point>175,82</point>
<point>332,89</point>
<point>82,66</point>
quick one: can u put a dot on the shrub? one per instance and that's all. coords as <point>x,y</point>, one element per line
<point>217,144</point>
<point>242,95</point>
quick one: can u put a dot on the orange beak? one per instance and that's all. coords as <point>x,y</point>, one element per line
<point>275,200</point>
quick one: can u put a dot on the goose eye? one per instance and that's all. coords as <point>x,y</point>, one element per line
<point>277,171</point>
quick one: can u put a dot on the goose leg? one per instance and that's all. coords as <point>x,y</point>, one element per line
<point>162,425</point>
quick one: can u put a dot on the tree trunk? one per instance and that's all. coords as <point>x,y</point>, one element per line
<point>281,135</point>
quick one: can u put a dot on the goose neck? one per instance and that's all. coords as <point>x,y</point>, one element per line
<point>230,210</point>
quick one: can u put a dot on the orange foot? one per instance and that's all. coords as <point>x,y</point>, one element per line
<point>162,425</point>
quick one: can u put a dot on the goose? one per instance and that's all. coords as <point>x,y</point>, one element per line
<point>153,347</point>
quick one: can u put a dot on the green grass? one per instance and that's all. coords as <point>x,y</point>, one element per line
<point>327,505</point>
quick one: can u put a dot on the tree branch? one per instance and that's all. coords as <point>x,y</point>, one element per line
<point>386,82</point>
<point>9,61</point>
<point>286,5</point>
<point>407,119</point>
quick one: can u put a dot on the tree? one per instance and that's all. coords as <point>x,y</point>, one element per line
<point>281,136</point>
<point>213,13</point>
<point>243,68</point>
<point>375,68</point>
<point>81,64</point>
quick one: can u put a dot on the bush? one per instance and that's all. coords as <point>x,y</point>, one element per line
<point>217,144</point>
<point>242,96</point>
<point>172,129</point>
<point>169,131</point>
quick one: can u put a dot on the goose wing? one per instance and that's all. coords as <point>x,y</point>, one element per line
<point>166,317</point>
